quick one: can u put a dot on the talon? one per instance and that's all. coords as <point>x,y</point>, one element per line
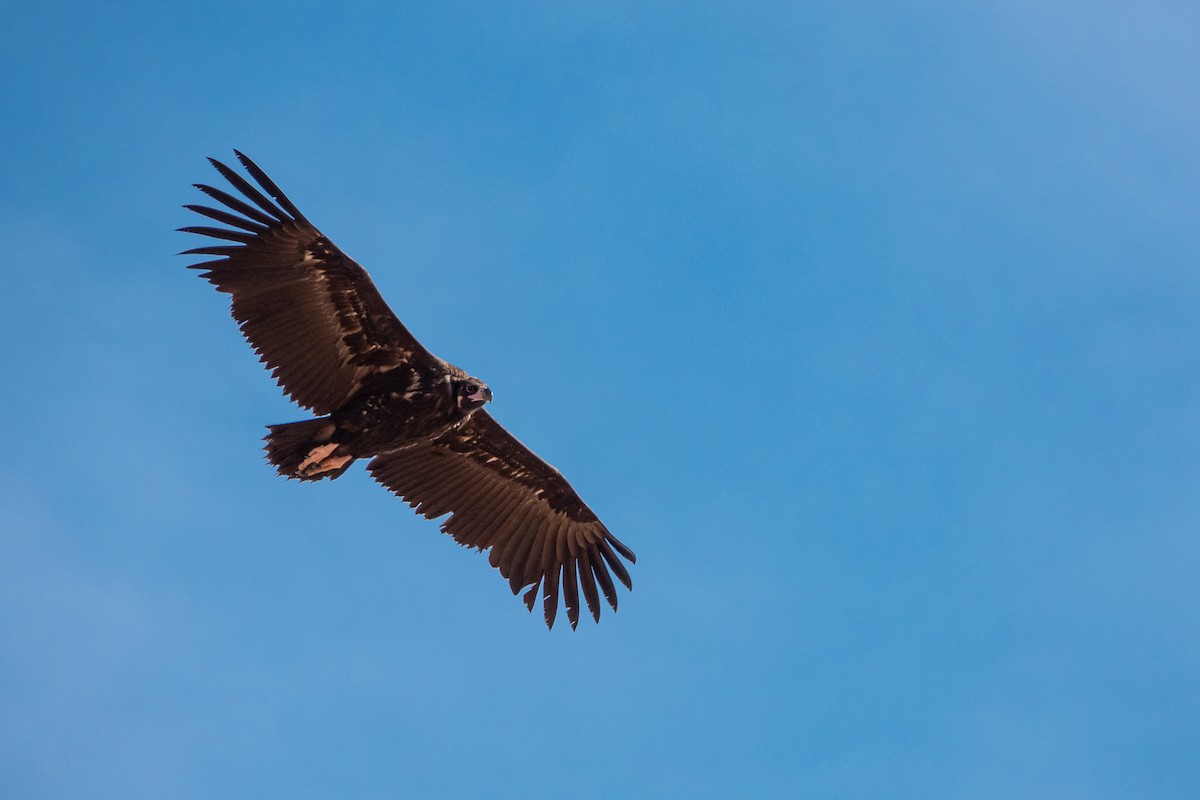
<point>316,456</point>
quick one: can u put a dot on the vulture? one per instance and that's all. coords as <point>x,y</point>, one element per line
<point>335,348</point>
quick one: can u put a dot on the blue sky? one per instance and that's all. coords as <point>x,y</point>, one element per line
<point>870,327</point>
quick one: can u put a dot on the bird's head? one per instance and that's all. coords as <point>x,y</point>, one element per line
<point>470,394</point>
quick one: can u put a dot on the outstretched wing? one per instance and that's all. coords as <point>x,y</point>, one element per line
<point>499,494</point>
<point>310,312</point>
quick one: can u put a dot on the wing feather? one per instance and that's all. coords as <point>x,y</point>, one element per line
<point>221,215</point>
<point>521,571</point>
<point>220,233</point>
<point>254,195</point>
<point>588,583</point>
<point>546,558</point>
<point>550,594</point>
<point>476,523</point>
<point>506,555</point>
<point>268,184</point>
<point>603,579</point>
<point>571,592</point>
<point>530,597</point>
<point>615,563</point>
<point>510,520</point>
<point>504,545</point>
<point>231,202</point>
<point>500,496</point>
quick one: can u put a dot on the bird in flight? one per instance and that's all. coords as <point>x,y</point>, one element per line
<point>335,347</point>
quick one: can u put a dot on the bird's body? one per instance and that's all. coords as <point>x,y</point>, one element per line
<point>397,410</point>
<point>334,346</point>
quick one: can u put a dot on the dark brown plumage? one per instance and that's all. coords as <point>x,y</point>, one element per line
<point>334,346</point>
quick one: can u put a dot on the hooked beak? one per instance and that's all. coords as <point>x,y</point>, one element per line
<point>481,395</point>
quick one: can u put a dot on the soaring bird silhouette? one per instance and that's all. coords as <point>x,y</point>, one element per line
<point>335,347</point>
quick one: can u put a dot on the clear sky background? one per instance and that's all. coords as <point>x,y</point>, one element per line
<point>871,327</point>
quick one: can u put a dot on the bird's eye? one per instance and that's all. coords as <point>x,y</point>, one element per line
<point>469,388</point>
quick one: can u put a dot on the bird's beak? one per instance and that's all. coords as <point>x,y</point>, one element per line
<point>481,395</point>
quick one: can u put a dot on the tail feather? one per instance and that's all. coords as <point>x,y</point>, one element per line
<point>305,450</point>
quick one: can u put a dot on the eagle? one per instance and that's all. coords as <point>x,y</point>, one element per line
<point>334,346</point>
